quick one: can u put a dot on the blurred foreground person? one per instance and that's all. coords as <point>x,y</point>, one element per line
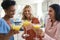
<point>6,32</point>
<point>52,29</point>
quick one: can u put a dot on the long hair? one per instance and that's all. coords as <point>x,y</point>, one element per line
<point>23,16</point>
<point>56,8</point>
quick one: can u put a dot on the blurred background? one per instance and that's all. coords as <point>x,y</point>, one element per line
<point>39,10</point>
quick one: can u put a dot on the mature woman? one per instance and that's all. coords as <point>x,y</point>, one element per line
<point>53,23</point>
<point>27,15</point>
<point>6,33</point>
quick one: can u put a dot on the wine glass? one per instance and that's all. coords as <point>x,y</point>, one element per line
<point>26,22</point>
<point>36,27</point>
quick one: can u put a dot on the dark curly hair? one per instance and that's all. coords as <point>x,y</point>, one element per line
<point>7,3</point>
<point>56,8</point>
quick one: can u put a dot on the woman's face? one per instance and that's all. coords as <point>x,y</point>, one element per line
<point>10,12</point>
<point>27,12</point>
<point>51,13</point>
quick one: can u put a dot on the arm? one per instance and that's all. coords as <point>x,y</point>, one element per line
<point>7,36</point>
<point>57,34</point>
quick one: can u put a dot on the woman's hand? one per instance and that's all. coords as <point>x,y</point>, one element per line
<point>12,32</point>
<point>40,32</point>
<point>7,36</point>
<point>26,28</point>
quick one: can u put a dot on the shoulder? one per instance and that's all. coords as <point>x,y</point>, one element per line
<point>47,21</point>
<point>35,20</point>
<point>1,20</point>
<point>58,25</point>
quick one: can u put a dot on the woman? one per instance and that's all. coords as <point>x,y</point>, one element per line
<point>6,33</point>
<point>27,15</point>
<point>53,23</point>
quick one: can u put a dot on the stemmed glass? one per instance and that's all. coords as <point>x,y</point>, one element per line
<point>36,27</point>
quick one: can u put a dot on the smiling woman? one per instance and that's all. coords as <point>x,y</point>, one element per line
<point>52,28</point>
<point>6,33</point>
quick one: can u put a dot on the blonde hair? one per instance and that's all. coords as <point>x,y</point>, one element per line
<point>27,6</point>
<point>23,16</point>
